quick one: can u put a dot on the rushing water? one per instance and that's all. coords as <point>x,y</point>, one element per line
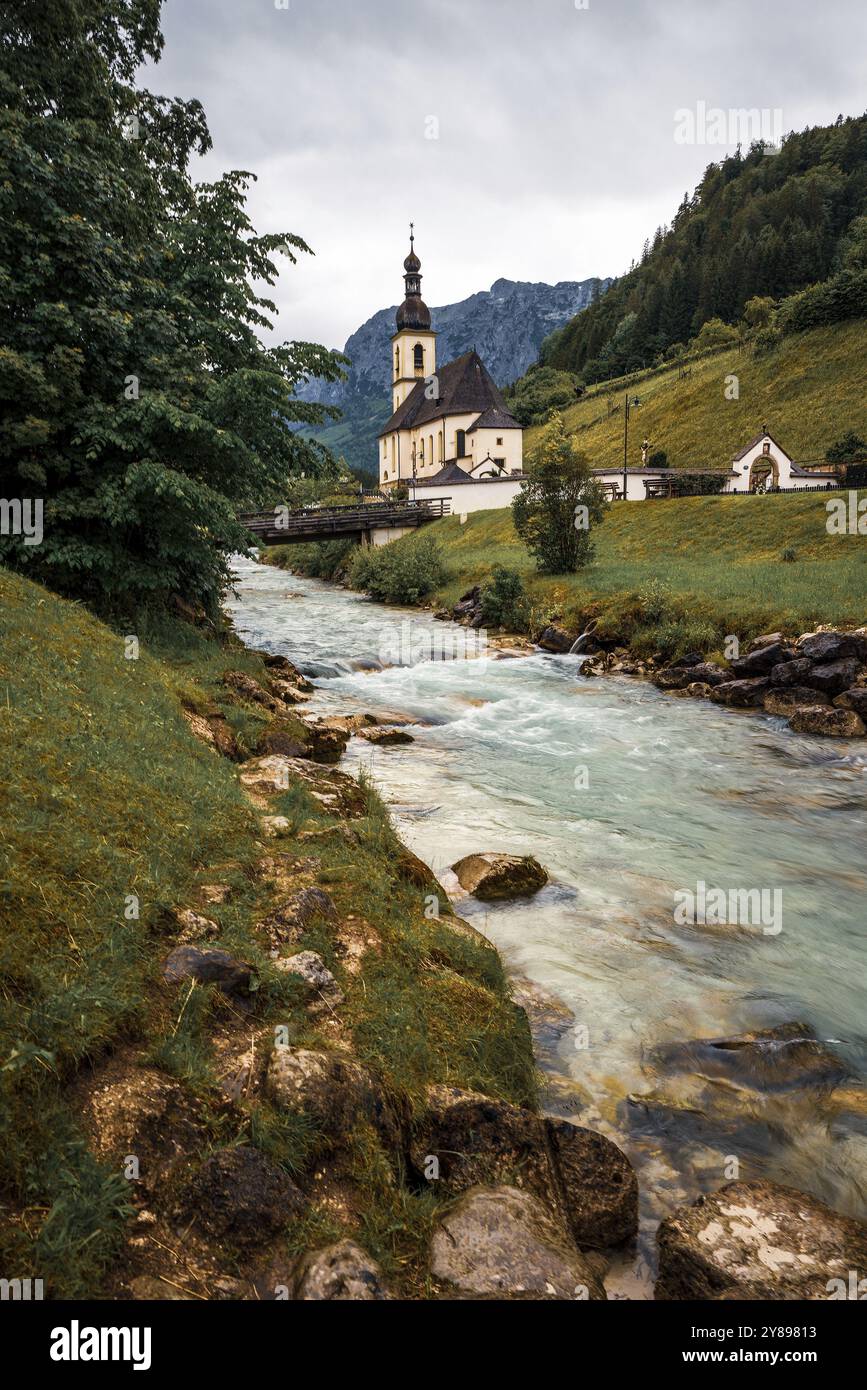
<point>628,797</point>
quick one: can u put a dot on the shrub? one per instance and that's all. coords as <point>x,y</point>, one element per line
<point>545,511</point>
<point>849,448</point>
<point>402,572</point>
<point>504,600</point>
<point>789,554</point>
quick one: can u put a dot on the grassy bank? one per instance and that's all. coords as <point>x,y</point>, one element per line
<point>118,816</point>
<point>808,390</point>
<point>673,574</point>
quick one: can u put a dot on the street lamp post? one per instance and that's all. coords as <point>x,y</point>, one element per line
<point>634,403</point>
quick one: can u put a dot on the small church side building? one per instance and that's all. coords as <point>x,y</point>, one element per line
<point>761,466</point>
<point>451,435</point>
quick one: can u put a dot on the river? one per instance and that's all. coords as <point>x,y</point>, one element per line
<point>629,797</point>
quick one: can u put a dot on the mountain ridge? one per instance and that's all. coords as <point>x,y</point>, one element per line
<point>506,324</point>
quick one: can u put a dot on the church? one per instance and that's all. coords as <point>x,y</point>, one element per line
<point>450,428</point>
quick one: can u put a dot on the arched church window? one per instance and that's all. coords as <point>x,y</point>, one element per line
<point>397,361</point>
<point>418,358</point>
<point>461,444</point>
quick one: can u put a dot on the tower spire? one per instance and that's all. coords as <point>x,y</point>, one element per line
<point>413,312</point>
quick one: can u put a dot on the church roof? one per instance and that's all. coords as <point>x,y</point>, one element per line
<point>465,388</point>
<point>494,419</point>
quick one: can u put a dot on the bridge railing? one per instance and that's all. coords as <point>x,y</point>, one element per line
<point>327,520</point>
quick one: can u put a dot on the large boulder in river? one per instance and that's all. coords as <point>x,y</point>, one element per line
<point>780,1058</point>
<point>759,1240</point>
<point>744,694</point>
<point>834,676</point>
<point>499,1242</point>
<point>333,1091</point>
<point>830,723</point>
<point>598,1184</point>
<point>855,699</point>
<point>554,639</point>
<point>791,672</point>
<point>385,738</point>
<point>792,697</point>
<point>762,660</point>
<point>474,1139</point>
<point>833,646</point>
<point>326,742</point>
<point>492,876</point>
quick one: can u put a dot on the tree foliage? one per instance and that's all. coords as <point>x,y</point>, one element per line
<point>137,397</point>
<point>545,512</point>
<point>757,226</point>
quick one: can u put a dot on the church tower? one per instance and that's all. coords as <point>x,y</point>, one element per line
<point>413,346</point>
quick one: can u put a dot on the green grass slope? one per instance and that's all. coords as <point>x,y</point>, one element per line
<point>108,795</point>
<point>714,562</point>
<point>809,391</point>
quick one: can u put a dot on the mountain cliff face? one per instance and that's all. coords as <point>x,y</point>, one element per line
<point>505,324</point>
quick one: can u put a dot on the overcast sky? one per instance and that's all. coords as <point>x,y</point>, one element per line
<point>556,153</point>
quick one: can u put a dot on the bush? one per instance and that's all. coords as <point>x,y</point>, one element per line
<point>504,600</point>
<point>546,510</point>
<point>850,448</point>
<point>789,555</point>
<point>322,560</point>
<point>402,572</point>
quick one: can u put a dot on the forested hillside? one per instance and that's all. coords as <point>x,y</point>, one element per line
<point>761,226</point>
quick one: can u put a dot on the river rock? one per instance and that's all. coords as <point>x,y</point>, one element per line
<point>759,1239</point>
<point>492,876</point>
<point>832,723</point>
<point>787,700</point>
<point>326,742</point>
<point>833,646</point>
<point>249,689</point>
<point>761,661</point>
<point>320,985</point>
<point>598,1183</point>
<point>385,737</point>
<point>284,668</point>
<point>744,694</point>
<point>240,1196</point>
<point>332,1090</point>
<point>708,673</point>
<point>292,918</point>
<point>780,1058</point>
<point>793,672</point>
<point>766,640</point>
<point>855,699</point>
<point>673,678</point>
<point>339,1273</point>
<point>696,690</point>
<point>208,967</point>
<point>554,639</point>
<point>835,676</point>
<point>501,1242</point>
<point>477,1140</point>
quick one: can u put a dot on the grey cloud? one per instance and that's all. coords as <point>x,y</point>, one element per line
<point>556,155</point>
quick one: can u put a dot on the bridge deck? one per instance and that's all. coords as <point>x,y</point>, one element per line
<point>284,527</point>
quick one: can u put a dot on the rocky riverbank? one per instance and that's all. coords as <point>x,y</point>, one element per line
<point>491,1197</point>
<point>817,681</point>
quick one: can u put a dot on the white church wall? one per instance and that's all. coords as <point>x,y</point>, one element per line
<point>472,497</point>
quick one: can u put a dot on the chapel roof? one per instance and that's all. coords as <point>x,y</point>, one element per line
<point>465,388</point>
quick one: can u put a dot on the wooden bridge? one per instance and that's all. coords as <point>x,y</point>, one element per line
<point>374,524</point>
